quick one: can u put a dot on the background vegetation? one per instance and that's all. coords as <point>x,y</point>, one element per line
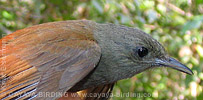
<point>177,24</point>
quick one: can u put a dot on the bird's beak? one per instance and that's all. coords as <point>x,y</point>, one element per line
<point>172,63</point>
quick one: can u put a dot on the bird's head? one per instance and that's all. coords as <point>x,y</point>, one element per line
<point>128,51</point>
<point>125,52</point>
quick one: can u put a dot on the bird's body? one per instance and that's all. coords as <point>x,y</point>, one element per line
<point>73,56</point>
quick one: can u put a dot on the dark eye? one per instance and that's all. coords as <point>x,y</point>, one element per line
<point>141,51</point>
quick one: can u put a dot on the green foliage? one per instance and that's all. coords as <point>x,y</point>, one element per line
<point>195,23</point>
<point>177,24</point>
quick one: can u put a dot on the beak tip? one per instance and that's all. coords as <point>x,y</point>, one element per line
<point>176,65</point>
<point>186,70</point>
<point>190,73</point>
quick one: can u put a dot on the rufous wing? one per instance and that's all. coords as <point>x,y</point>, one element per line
<point>45,59</point>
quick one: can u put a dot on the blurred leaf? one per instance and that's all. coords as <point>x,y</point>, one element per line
<point>124,19</point>
<point>195,23</point>
<point>145,4</point>
<point>161,8</point>
<point>199,97</point>
<point>152,15</point>
<point>188,80</point>
<point>98,6</point>
<point>200,50</point>
<point>201,76</point>
<point>7,15</point>
<point>199,2</point>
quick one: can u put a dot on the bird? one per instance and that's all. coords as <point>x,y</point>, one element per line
<point>74,57</point>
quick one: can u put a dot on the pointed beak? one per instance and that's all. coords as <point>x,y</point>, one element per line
<point>172,63</point>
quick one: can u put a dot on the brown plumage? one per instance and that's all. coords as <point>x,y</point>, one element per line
<point>73,56</point>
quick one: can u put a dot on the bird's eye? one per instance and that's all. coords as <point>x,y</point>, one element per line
<point>141,51</point>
